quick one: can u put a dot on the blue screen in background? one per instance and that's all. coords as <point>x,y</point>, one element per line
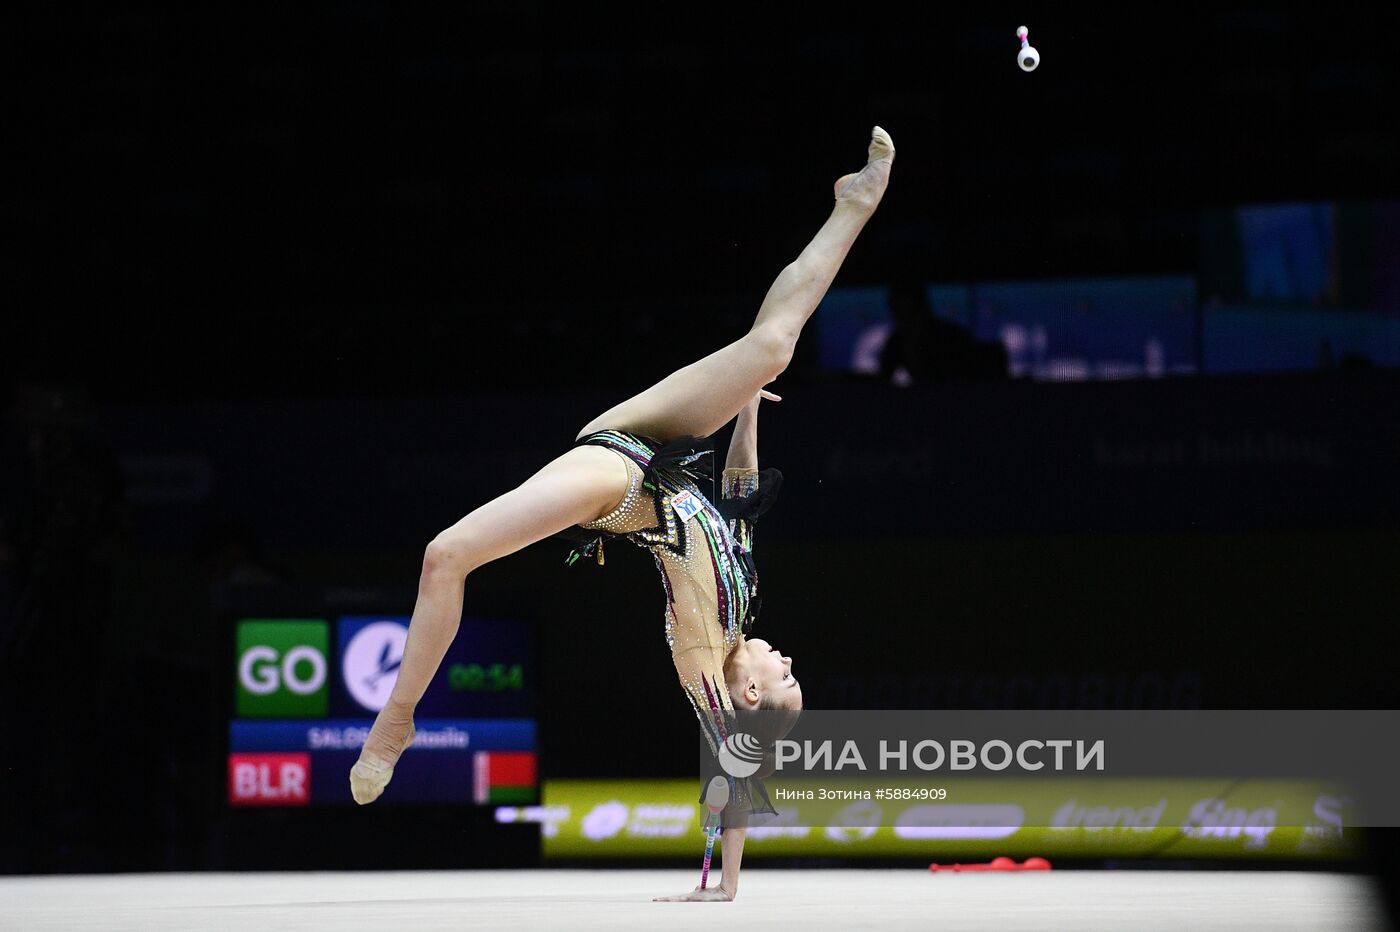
<point>1063,330</point>
<point>1288,252</point>
<point>1090,328</point>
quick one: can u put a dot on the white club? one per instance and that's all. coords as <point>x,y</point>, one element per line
<point>1028,58</point>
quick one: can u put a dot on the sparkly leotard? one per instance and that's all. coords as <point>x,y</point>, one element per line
<point>704,553</point>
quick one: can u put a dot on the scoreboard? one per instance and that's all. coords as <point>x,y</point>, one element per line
<point>304,689</point>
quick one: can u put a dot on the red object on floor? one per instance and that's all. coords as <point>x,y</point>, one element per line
<point>996,864</point>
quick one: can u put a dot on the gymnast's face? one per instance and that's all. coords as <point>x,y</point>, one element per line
<point>770,676</point>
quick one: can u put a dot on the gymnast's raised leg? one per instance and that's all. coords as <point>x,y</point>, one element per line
<point>589,481</point>
<point>704,396</point>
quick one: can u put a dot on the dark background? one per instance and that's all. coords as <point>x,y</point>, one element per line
<point>290,290</point>
<point>358,197</point>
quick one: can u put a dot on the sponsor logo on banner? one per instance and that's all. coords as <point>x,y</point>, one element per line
<point>370,653</point>
<point>960,821</point>
<point>785,824</point>
<point>1094,818</point>
<point>642,820</point>
<point>269,779</point>
<point>1215,819</point>
<point>856,822</point>
<point>282,669</point>
<point>1326,831</point>
<point>547,817</point>
<point>604,821</point>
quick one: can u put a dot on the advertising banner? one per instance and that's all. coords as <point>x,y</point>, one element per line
<point>1071,818</point>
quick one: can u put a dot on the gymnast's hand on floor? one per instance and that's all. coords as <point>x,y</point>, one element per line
<point>708,895</point>
<point>391,735</point>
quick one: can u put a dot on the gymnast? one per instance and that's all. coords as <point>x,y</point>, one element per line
<point>635,472</point>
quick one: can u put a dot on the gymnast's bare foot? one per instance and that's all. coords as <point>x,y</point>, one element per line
<point>863,189</point>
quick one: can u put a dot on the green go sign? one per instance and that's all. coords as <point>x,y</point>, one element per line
<point>282,668</point>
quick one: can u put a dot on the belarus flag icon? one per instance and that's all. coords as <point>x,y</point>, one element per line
<point>504,777</point>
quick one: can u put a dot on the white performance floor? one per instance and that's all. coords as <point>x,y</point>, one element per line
<point>809,900</point>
